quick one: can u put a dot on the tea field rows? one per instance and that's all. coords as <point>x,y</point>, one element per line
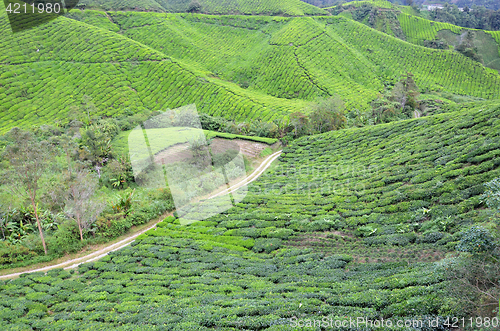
<point>408,187</point>
<point>378,194</point>
<point>303,58</point>
<point>169,281</point>
<point>418,29</point>
<point>45,75</point>
<point>238,67</point>
<point>241,7</point>
<point>433,69</point>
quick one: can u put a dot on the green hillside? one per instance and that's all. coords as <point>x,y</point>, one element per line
<point>383,177</point>
<point>420,31</point>
<point>238,67</point>
<point>303,58</point>
<point>244,7</point>
<point>45,75</point>
<point>406,24</point>
<point>394,195</point>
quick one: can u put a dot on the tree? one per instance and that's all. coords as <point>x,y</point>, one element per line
<point>96,143</point>
<point>80,203</point>
<point>3,224</point>
<point>406,93</point>
<point>476,270</point>
<point>29,160</point>
<point>495,20</point>
<point>327,115</point>
<point>300,123</point>
<point>194,7</point>
<point>476,241</point>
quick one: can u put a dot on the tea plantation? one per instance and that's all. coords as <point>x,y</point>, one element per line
<point>238,67</point>
<point>410,183</point>
<point>395,195</point>
<point>243,7</point>
<point>301,58</point>
<point>46,73</point>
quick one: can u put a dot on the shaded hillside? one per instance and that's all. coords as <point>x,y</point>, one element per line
<point>405,23</point>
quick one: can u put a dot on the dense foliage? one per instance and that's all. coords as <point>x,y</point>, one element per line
<point>237,67</point>
<point>66,192</point>
<point>244,7</point>
<point>340,192</point>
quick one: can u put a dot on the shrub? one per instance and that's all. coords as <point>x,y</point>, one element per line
<point>432,237</point>
<point>65,240</point>
<point>476,240</point>
<point>266,245</point>
<point>14,253</point>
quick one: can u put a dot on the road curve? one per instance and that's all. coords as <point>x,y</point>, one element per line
<point>73,263</point>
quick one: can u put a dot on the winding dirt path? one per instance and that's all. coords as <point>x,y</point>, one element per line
<point>74,263</point>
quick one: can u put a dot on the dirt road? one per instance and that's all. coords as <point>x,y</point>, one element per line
<point>73,263</point>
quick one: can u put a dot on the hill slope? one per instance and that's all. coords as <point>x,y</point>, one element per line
<point>247,7</point>
<point>239,67</point>
<point>394,193</point>
<point>45,74</point>
<point>305,57</point>
<point>404,23</point>
<point>384,177</point>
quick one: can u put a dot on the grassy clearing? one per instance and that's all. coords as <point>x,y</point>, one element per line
<point>165,138</point>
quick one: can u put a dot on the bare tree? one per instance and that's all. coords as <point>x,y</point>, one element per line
<point>29,160</point>
<point>80,203</point>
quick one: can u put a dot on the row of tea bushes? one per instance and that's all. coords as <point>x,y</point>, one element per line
<point>243,7</point>
<point>417,29</point>
<point>176,283</point>
<point>303,58</point>
<point>412,185</point>
<point>46,74</point>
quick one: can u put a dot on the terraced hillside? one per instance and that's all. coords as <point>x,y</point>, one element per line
<point>420,31</point>
<point>409,183</point>
<point>304,58</point>
<point>238,67</point>
<point>402,22</point>
<point>396,193</point>
<point>46,73</point>
<point>246,7</point>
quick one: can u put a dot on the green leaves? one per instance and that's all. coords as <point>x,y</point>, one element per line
<point>492,195</point>
<point>476,240</point>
